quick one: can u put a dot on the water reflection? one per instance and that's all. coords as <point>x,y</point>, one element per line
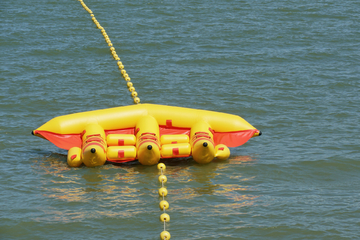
<point>241,159</point>
<point>219,188</point>
<point>210,180</point>
<point>93,178</point>
<point>84,184</point>
<point>125,190</point>
<point>52,165</point>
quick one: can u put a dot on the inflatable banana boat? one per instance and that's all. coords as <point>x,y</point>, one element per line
<point>146,132</point>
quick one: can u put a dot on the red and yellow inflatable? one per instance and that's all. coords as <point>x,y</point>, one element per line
<point>146,132</point>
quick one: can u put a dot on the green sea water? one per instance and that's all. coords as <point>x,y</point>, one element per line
<point>290,68</point>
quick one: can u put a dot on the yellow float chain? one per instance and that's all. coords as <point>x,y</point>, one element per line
<point>165,235</point>
<point>115,56</point>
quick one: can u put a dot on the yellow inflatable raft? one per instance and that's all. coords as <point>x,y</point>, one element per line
<point>146,132</point>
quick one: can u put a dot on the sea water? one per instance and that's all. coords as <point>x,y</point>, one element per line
<point>290,68</point>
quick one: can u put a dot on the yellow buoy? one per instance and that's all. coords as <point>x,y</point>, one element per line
<point>165,217</point>
<point>134,94</point>
<point>129,84</point>
<point>165,235</point>
<point>162,178</point>
<point>163,192</point>
<point>161,166</point>
<point>164,204</point>
<point>136,100</point>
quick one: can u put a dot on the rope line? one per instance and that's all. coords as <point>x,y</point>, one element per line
<point>125,75</point>
<point>165,235</point>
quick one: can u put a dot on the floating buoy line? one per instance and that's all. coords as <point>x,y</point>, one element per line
<point>125,75</point>
<point>164,205</point>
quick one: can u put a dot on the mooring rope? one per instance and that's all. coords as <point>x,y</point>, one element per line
<point>125,75</point>
<point>164,217</point>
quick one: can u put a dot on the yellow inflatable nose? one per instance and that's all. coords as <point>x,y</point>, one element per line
<point>222,152</point>
<point>94,146</point>
<point>148,145</point>
<point>94,155</point>
<point>148,154</point>
<point>74,157</point>
<point>203,151</point>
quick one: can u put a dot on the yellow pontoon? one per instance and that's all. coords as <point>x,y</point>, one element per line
<point>146,132</point>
